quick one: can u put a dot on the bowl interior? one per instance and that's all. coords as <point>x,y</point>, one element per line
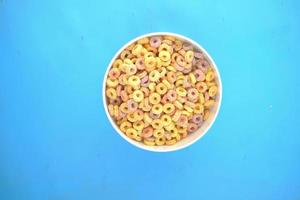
<point>191,138</point>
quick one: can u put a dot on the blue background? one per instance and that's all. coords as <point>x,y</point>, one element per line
<point>56,142</point>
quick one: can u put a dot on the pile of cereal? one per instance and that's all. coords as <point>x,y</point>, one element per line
<point>160,89</point>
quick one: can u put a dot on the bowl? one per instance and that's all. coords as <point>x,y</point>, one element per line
<point>191,138</point>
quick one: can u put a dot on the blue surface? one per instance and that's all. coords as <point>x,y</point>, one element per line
<point>56,142</point>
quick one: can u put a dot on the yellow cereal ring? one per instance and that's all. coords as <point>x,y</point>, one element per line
<point>206,114</point>
<point>212,91</point>
<point>173,132</point>
<point>164,56</point>
<point>138,138</point>
<point>111,93</point>
<point>152,86</point>
<point>210,84</point>
<point>154,98</point>
<point>112,82</point>
<point>165,47</point>
<point>150,63</point>
<point>125,125</point>
<point>181,91</point>
<point>168,108</point>
<point>192,78</point>
<point>158,133</point>
<point>180,76</point>
<point>134,81</point>
<point>111,109</point>
<point>168,42</point>
<point>187,108</point>
<point>199,108</point>
<point>158,63</point>
<point>148,142</point>
<point>179,83</point>
<point>186,113</point>
<point>181,99</point>
<point>137,49</point>
<point>138,95</point>
<point>201,98</point>
<point>124,108</point>
<point>169,37</point>
<point>166,63</point>
<point>177,45</point>
<point>116,110</point>
<point>132,117</point>
<point>130,69</point>
<point>210,76</point>
<point>170,142</point>
<point>147,118</point>
<point>157,124</point>
<point>163,71</point>
<point>189,56</point>
<point>129,89</point>
<point>125,54</point>
<point>181,129</point>
<point>170,126</point>
<point>209,103</point>
<point>160,141</point>
<point>171,68</point>
<point>138,125</point>
<point>178,104</point>
<point>117,63</point>
<point>161,88</point>
<point>144,40</point>
<point>154,75</point>
<point>149,55</point>
<point>131,133</point>
<point>166,120</point>
<point>167,84</point>
<point>157,109</point>
<point>127,61</point>
<point>176,115</point>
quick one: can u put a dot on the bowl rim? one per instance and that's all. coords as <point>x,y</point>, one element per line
<point>171,147</point>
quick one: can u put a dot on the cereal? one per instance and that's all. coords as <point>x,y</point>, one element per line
<point>160,89</point>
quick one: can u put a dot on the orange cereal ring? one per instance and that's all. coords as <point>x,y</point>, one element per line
<point>192,127</point>
<point>182,121</point>
<point>132,105</point>
<point>171,95</point>
<point>171,77</point>
<point>124,95</point>
<point>192,94</point>
<point>155,41</point>
<point>201,87</point>
<point>147,132</point>
<point>114,73</point>
<point>145,91</point>
<point>140,63</point>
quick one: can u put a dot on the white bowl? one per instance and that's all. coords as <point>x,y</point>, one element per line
<point>191,138</point>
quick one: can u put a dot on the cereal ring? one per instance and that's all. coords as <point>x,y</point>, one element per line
<point>124,95</point>
<point>132,117</point>
<point>123,79</point>
<point>154,116</point>
<point>166,63</point>
<point>186,82</point>
<point>171,77</point>
<point>192,127</point>
<point>155,41</point>
<point>147,132</point>
<point>157,109</point>
<point>137,49</point>
<point>160,141</point>
<point>116,101</point>
<point>145,81</point>
<point>177,45</point>
<point>129,89</point>
<point>152,86</point>
<point>173,132</point>
<point>171,95</point>
<point>199,108</point>
<point>119,89</point>
<point>168,136</point>
<point>140,64</point>
<point>206,114</point>
<point>111,109</point>
<point>178,67</point>
<point>166,120</point>
<point>209,103</point>
<point>112,82</point>
<point>201,98</point>
<point>203,65</point>
<point>171,68</point>
<point>132,105</point>
<point>197,119</point>
<point>125,54</point>
<point>158,133</point>
<point>182,121</point>
<point>192,78</point>
<point>187,70</point>
<point>149,55</point>
<point>210,76</point>
<point>162,71</point>
<point>124,108</point>
<point>138,95</point>
<point>147,118</point>
<point>206,96</point>
<point>179,83</point>
<point>180,60</point>
<point>117,63</point>
<point>134,81</point>
<point>192,94</point>
<point>169,127</point>
<point>201,87</point>
<point>125,125</point>
<point>212,91</point>
<point>187,46</point>
<point>149,142</point>
<point>170,142</point>
<point>142,74</point>
<point>131,69</point>
<point>145,105</point>
<point>157,124</point>
<point>154,98</point>
<point>164,100</point>
<point>111,93</point>
<point>165,47</point>
<point>139,114</point>
<point>168,108</point>
<point>181,99</point>
<point>161,88</point>
<point>144,40</point>
<point>164,56</point>
<point>199,55</point>
<point>189,56</point>
<point>131,133</point>
<point>145,91</point>
<point>114,73</point>
<point>200,76</point>
<point>181,91</point>
<point>178,105</point>
<point>150,63</point>
<point>168,42</point>
<point>151,49</point>
<point>190,104</point>
<point>154,75</point>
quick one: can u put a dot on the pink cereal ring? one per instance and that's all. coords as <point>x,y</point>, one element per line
<point>119,89</point>
<point>178,67</point>
<point>114,73</point>
<point>187,70</point>
<point>147,132</point>
<point>182,120</point>
<point>155,41</point>
<point>146,91</point>
<point>132,105</point>
<point>200,76</point>
<point>142,74</point>
<point>154,116</point>
<point>140,64</point>
<point>197,119</point>
<point>164,99</point>
<point>145,81</point>
<point>203,65</point>
<point>116,101</point>
<point>206,96</point>
<point>187,46</point>
<point>198,55</point>
<point>192,127</point>
<point>192,94</point>
<point>124,95</point>
<point>171,95</point>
